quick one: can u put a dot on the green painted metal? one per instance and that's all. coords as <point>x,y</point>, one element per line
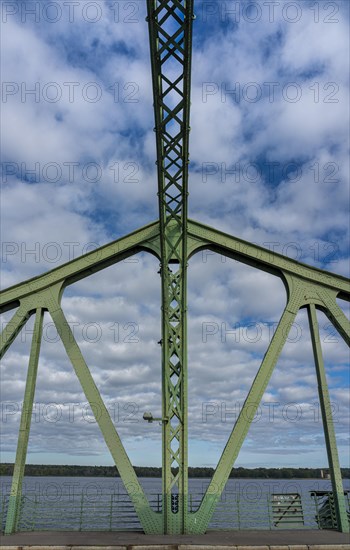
<point>115,512</point>
<point>174,239</point>
<point>146,238</point>
<point>170,32</point>
<point>338,319</point>
<point>26,417</point>
<point>148,518</point>
<point>304,284</point>
<point>205,237</point>
<point>200,519</point>
<point>12,329</point>
<point>326,515</point>
<point>329,433</point>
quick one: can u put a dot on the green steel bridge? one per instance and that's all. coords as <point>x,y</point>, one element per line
<point>173,239</point>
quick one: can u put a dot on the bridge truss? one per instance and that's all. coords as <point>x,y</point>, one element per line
<point>173,239</point>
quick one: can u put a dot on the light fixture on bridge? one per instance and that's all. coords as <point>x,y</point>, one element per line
<point>149,417</point>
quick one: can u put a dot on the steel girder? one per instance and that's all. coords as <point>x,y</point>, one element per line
<point>174,239</point>
<point>42,294</point>
<point>306,287</point>
<point>24,429</point>
<point>170,33</point>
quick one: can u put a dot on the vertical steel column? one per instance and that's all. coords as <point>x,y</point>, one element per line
<point>170,31</point>
<point>326,410</point>
<point>24,429</point>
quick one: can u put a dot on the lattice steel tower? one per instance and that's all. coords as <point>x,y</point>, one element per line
<point>173,239</point>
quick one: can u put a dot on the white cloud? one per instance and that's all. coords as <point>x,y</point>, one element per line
<point>304,217</point>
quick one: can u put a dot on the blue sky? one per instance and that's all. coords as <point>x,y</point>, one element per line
<point>269,164</point>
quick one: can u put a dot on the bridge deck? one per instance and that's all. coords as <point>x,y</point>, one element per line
<point>225,540</point>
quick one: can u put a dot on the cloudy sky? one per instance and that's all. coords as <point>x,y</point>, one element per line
<point>269,150</point>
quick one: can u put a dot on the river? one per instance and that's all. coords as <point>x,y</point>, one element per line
<point>89,503</point>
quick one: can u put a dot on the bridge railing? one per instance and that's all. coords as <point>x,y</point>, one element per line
<point>113,512</point>
<point>326,516</point>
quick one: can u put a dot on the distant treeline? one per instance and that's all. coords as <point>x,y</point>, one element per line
<point>6,469</point>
